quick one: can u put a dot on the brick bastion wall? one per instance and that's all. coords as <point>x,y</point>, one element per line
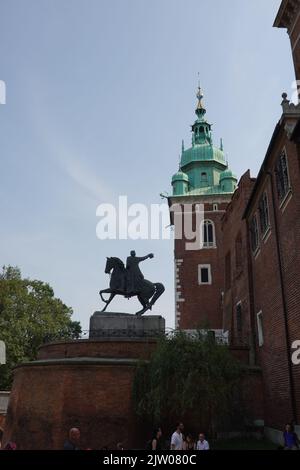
<point>84,383</point>
<point>88,384</point>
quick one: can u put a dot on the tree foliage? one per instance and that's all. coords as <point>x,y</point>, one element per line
<point>186,376</point>
<point>29,316</point>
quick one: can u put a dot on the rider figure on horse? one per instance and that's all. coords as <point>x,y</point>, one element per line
<point>134,276</point>
<point>130,282</point>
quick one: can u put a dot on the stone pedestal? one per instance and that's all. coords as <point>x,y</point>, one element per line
<point>85,384</point>
<point>122,325</point>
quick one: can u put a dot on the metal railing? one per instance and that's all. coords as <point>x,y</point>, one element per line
<point>218,336</point>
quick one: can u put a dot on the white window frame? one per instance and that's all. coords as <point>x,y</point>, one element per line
<point>207,244</point>
<point>208,267</point>
<point>260,331</point>
<point>215,207</point>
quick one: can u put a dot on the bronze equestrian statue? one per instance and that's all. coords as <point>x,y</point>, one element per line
<point>130,282</point>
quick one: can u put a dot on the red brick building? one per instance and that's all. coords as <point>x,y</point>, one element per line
<point>251,293</point>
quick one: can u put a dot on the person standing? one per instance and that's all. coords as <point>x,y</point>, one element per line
<point>189,442</point>
<point>72,443</point>
<point>177,437</point>
<point>155,441</point>
<point>202,444</point>
<point>290,438</point>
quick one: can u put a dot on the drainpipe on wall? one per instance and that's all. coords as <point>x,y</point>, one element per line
<point>287,333</point>
<point>252,338</point>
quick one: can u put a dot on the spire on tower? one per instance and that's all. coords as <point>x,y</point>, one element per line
<point>200,110</point>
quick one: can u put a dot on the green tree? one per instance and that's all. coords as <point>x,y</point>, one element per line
<point>187,377</point>
<point>29,316</point>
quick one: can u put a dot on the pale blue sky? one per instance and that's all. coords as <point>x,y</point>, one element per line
<point>99,95</point>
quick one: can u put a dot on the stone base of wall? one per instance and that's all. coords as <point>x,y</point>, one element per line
<point>273,435</point>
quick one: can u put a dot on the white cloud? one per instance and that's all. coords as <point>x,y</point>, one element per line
<point>81,174</point>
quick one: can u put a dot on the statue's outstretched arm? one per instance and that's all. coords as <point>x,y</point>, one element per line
<point>142,258</point>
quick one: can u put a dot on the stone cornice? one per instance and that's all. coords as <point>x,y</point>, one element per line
<point>287,14</point>
<point>80,361</point>
<point>290,115</point>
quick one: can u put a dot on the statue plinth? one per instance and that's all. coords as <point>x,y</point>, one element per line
<point>124,325</point>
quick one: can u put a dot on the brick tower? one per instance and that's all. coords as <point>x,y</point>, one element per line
<point>203,178</point>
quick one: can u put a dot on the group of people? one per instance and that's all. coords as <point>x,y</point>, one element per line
<point>179,441</point>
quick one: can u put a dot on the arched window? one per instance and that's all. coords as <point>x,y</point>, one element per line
<point>201,129</point>
<point>209,239</point>
<point>203,176</point>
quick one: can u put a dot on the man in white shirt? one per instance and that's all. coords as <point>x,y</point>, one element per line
<point>177,438</point>
<point>202,444</point>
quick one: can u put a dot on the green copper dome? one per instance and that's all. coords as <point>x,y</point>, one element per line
<point>227,174</point>
<point>180,183</point>
<point>202,152</point>
<point>203,168</point>
<point>180,176</point>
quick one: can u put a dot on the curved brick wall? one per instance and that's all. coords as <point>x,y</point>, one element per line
<point>109,347</point>
<point>87,384</point>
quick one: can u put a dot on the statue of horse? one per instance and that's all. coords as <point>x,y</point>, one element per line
<point>147,294</point>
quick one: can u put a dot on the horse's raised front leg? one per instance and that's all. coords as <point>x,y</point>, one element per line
<point>107,302</point>
<point>104,291</point>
